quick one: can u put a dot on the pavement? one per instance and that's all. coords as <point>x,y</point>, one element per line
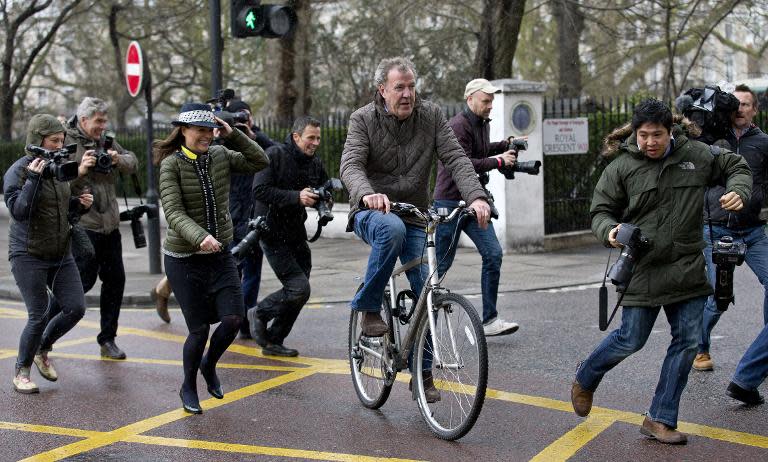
<point>339,264</point>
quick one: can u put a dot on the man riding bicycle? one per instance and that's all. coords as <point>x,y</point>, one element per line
<point>391,146</point>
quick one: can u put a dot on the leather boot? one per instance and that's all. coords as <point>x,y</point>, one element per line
<point>160,294</point>
<point>662,432</point>
<point>372,325</point>
<point>430,391</point>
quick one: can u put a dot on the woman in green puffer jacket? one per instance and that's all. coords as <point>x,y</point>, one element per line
<point>194,189</point>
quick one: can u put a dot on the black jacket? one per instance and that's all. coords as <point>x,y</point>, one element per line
<point>753,146</point>
<point>276,191</point>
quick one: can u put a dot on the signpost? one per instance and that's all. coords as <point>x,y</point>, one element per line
<point>136,69</point>
<point>566,136</point>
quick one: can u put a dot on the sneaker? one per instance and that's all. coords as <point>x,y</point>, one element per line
<point>45,367</point>
<point>703,362</point>
<point>499,327</point>
<point>23,384</point>
<point>748,397</point>
<point>662,432</point>
<point>373,325</point>
<point>110,350</point>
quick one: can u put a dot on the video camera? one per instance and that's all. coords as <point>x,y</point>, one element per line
<point>55,166</point>
<point>726,255</point>
<point>134,216</point>
<point>103,158</point>
<point>246,245</point>
<point>710,108</point>
<point>220,102</point>
<point>325,192</point>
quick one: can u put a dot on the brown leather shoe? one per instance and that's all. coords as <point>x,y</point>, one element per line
<point>430,390</point>
<point>662,432</point>
<point>703,362</point>
<point>160,295</point>
<point>581,399</point>
<point>372,324</point>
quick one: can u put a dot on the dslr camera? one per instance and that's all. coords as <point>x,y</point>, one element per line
<point>134,216</point>
<point>103,159</point>
<point>246,245</point>
<point>726,255</point>
<point>57,164</point>
<point>710,108</point>
<point>635,244</point>
<point>530,167</point>
<point>325,192</point>
<point>220,102</point>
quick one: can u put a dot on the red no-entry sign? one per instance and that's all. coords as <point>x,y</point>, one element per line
<point>134,69</point>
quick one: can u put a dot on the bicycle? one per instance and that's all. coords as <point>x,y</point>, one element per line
<point>442,326</point>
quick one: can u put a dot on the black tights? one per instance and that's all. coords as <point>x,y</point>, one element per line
<point>194,347</point>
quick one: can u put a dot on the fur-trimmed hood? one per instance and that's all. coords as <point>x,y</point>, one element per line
<point>613,141</point>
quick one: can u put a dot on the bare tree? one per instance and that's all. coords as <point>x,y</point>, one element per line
<point>509,19</point>
<point>570,24</point>
<point>20,51</point>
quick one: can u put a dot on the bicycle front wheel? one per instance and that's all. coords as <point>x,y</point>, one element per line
<point>370,360</point>
<point>458,363</point>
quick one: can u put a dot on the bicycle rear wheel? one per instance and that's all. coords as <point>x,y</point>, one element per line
<point>370,360</point>
<point>462,374</point>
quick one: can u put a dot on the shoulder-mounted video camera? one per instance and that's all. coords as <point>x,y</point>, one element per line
<point>57,164</point>
<point>220,102</point>
<point>710,108</point>
<point>249,242</point>
<point>726,255</point>
<point>103,158</point>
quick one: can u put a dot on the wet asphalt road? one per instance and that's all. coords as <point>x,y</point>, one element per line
<point>306,409</point>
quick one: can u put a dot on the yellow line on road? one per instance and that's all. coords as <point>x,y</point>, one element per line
<point>570,443</point>
<point>261,450</point>
<point>175,362</point>
<point>121,434</point>
<point>723,434</point>
<point>48,429</point>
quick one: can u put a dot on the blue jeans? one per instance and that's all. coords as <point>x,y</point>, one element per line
<point>756,259</point>
<point>636,323</point>
<point>389,239</point>
<point>753,367</point>
<point>487,244</point>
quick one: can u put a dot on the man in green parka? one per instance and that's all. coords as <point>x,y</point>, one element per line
<point>656,182</point>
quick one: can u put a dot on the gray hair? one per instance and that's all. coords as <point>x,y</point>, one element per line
<point>90,106</point>
<point>402,64</point>
<point>302,122</point>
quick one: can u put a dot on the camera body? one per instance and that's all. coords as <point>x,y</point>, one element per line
<point>134,216</point>
<point>710,108</point>
<point>57,163</point>
<point>220,102</point>
<point>325,192</point>
<point>726,255</point>
<point>103,158</point>
<point>246,245</point>
<point>635,244</point>
<point>530,167</point>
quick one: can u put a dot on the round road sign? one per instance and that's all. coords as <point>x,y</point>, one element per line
<point>134,69</point>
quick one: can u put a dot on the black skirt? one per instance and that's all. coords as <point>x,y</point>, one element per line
<point>207,287</point>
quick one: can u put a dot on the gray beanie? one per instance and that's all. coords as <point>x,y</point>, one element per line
<point>40,126</point>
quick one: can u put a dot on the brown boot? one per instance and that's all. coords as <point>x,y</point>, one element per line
<point>160,295</point>
<point>662,432</point>
<point>703,362</point>
<point>430,390</point>
<point>581,399</point>
<point>372,325</point>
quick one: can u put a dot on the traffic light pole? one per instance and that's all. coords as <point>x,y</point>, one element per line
<point>216,47</point>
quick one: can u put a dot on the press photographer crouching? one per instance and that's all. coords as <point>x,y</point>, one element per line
<point>281,193</point>
<point>38,197</point>
<point>656,181</point>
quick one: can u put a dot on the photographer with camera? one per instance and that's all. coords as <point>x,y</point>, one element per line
<point>39,199</point>
<point>745,226</point>
<point>281,192</point>
<point>471,127</point>
<point>656,182</point>
<point>100,159</point>
<point>194,189</point>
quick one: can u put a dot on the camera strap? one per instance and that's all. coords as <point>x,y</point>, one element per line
<point>603,320</point>
<point>136,187</point>
<point>316,236</point>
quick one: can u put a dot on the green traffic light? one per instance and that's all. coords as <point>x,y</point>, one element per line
<point>250,20</point>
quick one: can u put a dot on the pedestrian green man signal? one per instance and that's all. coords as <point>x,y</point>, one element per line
<point>249,18</point>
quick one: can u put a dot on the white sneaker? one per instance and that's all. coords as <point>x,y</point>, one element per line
<point>499,327</point>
